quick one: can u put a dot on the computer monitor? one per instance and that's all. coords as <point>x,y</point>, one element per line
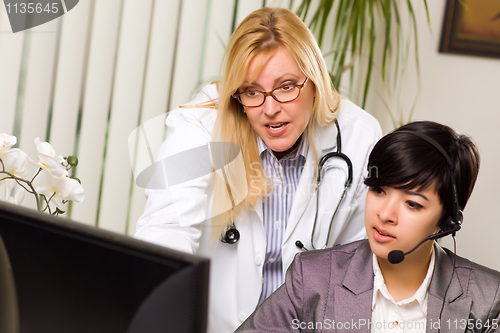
<point>61,276</point>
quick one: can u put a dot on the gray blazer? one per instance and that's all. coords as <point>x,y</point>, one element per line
<point>331,291</point>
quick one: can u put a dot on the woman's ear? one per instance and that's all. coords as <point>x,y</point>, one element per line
<point>437,230</point>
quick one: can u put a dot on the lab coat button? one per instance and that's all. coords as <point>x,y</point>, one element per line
<point>258,260</point>
<point>242,317</point>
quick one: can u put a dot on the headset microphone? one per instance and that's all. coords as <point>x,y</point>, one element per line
<point>396,256</point>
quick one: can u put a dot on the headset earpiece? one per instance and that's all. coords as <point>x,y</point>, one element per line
<point>450,224</point>
<point>447,224</point>
<point>456,218</point>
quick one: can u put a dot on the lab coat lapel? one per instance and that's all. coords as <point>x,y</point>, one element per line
<point>259,210</point>
<point>326,139</point>
<point>353,300</point>
<point>455,306</point>
<point>302,197</point>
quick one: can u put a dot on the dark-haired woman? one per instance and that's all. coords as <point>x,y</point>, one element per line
<point>380,284</point>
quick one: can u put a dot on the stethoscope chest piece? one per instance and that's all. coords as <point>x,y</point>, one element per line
<point>232,236</point>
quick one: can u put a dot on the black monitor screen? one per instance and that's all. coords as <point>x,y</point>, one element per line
<point>61,276</point>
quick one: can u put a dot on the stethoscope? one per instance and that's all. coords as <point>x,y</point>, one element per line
<point>232,235</point>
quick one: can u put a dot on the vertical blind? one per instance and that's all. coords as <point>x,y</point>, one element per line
<point>85,81</point>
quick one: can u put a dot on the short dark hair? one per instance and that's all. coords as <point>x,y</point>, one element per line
<point>406,161</point>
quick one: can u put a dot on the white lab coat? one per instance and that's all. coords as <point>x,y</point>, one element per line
<point>236,270</point>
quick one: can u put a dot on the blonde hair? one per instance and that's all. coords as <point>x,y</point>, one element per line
<point>262,33</point>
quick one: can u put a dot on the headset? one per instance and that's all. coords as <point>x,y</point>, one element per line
<point>453,223</point>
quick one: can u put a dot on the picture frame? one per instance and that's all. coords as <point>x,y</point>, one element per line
<point>471,27</point>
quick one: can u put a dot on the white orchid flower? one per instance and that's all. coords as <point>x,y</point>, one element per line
<point>51,178</point>
<point>6,141</point>
<point>13,162</point>
<point>6,187</point>
<point>58,189</point>
<point>18,196</point>
<point>48,159</point>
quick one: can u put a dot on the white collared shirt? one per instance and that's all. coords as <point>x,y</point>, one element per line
<point>408,315</point>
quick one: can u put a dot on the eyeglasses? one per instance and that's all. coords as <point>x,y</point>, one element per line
<point>282,94</point>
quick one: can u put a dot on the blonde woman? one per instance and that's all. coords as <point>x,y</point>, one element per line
<point>275,102</point>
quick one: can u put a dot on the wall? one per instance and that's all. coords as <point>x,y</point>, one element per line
<point>85,81</point>
<point>461,91</point>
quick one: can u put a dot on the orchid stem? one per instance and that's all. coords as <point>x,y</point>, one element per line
<point>29,183</point>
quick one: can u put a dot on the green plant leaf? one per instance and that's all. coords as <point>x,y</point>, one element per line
<point>428,17</point>
<point>327,7</point>
<point>387,44</point>
<point>415,36</point>
<point>353,39</point>
<point>394,123</point>
<point>370,63</point>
